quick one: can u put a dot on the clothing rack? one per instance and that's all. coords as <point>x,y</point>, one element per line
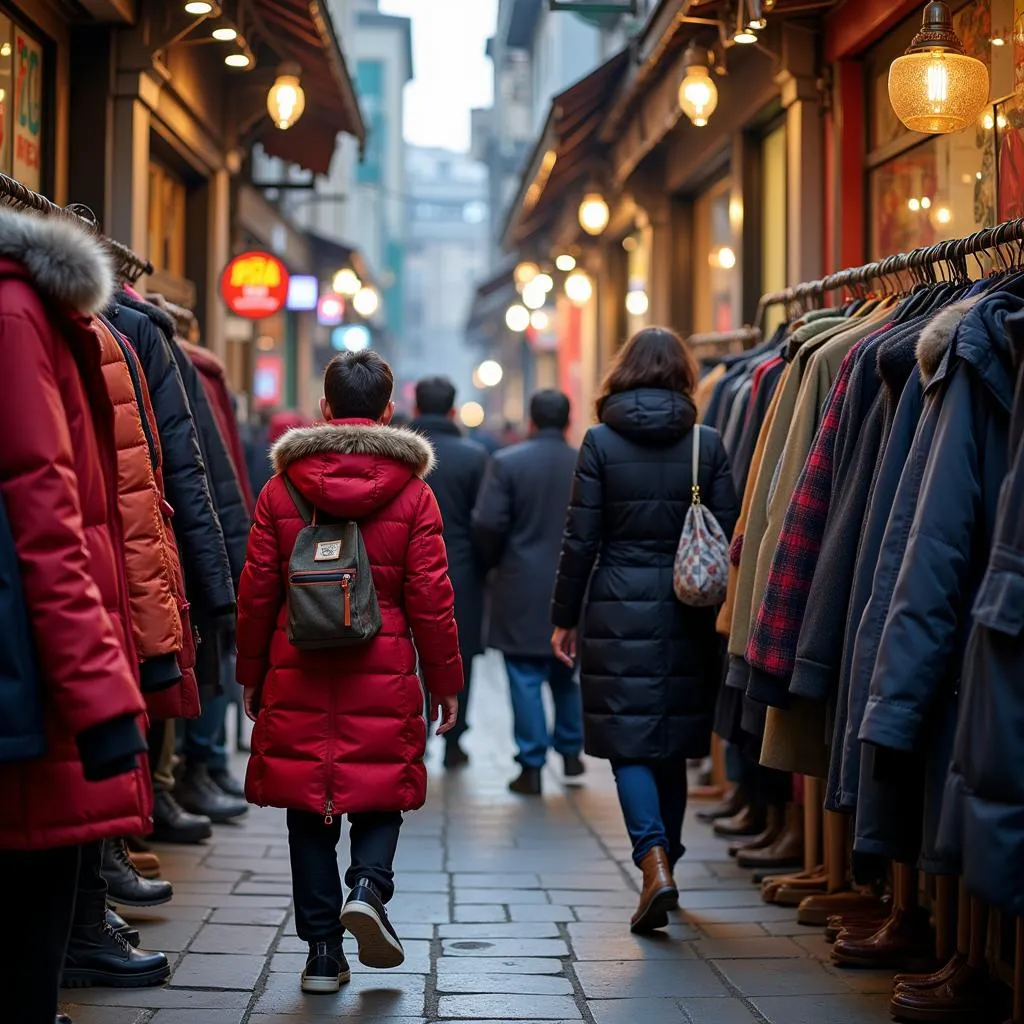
<point>716,343</point>
<point>128,265</point>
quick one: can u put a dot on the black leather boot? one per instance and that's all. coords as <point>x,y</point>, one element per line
<point>125,886</point>
<point>227,783</point>
<point>173,824</point>
<point>98,956</point>
<point>62,1018</point>
<point>528,783</point>
<point>199,794</point>
<point>123,928</point>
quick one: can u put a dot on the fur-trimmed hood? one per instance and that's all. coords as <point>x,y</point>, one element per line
<point>937,336</point>
<point>67,264</point>
<point>352,468</point>
<point>354,438</point>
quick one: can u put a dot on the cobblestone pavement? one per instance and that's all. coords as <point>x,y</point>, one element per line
<point>510,909</point>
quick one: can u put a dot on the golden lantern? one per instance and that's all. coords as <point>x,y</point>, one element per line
<point>286,100</point>
<point>935,87</point>
<point>594,213</point>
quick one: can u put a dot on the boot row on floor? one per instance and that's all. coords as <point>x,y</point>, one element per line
<point>952,955</point>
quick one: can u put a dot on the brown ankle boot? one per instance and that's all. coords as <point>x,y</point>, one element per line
<point>659,894</point>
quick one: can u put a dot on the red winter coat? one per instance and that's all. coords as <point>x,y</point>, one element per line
<point>58,477</point>
<point>344,731</point>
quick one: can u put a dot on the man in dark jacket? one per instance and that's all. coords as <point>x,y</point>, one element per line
<point>456,482</point>
<point>518,525</point>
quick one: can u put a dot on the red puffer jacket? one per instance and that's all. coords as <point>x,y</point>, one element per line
<point>344,731</point>
<point>58,476</point>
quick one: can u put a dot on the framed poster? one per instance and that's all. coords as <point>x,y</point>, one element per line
<point>27,133</point>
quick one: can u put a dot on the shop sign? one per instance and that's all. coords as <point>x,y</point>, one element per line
<point>303,291</point>
<point>254,285</point>
<point>27,136</point>
<point>330,310</point>
<point>268,380</point>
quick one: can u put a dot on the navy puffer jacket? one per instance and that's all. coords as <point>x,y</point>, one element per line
<point>650,666</point>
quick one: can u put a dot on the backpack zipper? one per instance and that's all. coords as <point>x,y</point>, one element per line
<point>346,586</point>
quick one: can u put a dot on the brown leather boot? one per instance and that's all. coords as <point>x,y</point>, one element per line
<point>147,864</point>
<point>772,831</point>
<point>940,977</point>
<point>659,894</point>
<point>960,999</point>
<point>905,939</point>
<point>750,821</point>
<point>787,849</point>
<point>853,922</point>
<point>816,910</point>
<point>733,803</point>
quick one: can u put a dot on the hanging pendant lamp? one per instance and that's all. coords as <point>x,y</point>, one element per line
<point>935,87</point>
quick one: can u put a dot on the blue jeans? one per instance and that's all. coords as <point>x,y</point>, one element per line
<point>526,678</point>
<point>205,737</point>
<point>653,799</point>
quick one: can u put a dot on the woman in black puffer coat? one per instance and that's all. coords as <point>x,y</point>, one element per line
<point>649,665</point>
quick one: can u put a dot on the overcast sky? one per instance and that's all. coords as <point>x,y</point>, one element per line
<point>453,75</point>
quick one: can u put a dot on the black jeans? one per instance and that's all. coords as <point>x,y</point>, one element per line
<point>316,879</point>
<point>42,886</point>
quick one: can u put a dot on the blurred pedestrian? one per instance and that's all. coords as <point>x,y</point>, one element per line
<point>342,731</point>
<point>650,665</point>
<point>456,482</point>
<point>518,525</point>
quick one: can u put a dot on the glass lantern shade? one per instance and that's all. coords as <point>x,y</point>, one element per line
<point>938,91</point>
<point>698,95</point>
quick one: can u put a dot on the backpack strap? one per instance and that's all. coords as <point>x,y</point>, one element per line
<point>306,509</point>
<point>695,489</point>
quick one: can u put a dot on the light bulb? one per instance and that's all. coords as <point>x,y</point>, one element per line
<point>937,82</point>
<point>943,215</point>
<point>726,258</point>
<point>366,301</point>
<point>237,60</point>
<point>539,320</point>
<point>286,99</point>
<point>545,282</point>
<point>745,37</point>
<point>198,7</point>
<point>490,373</point>
<point>593,213</point>
<point>637,302</point>
<point>998,41</point>
<point>472,415</point>
<point>517,318</point>
<point>579,288</point>
<point>914,204</point>
<point>224,35</point>
<point>534,295</point>
<point>698,95</point>
<point>346,282</point>
<point>926,202</point>
<point>565,262</point>
<point>524,273</point>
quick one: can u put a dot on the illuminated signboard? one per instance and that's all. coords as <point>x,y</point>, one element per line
<point>330,310</point>
<point>254,285</point>
<point>303,291</point>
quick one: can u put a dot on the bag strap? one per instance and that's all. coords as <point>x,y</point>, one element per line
<point>695,489</point>
<point>306,509</point>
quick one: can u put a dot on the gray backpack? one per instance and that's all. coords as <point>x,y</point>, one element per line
<point>331,598</point>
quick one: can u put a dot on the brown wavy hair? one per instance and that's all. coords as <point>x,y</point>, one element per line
<point>655,357</point>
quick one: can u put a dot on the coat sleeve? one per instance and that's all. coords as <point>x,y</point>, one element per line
<point>928,609</point>
<point>196,524</point>
<point>84,667</point>
<point>260,595</point>
<point>430,601</point>
<point>721,497</point>
<point>224,486</point>
<point>582,536</point>
<point>492,516</point>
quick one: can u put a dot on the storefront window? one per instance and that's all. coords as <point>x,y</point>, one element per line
<point>166,220</point>
<point>924,191</point>
<point>21,104</point>
<point>716,274</point>
<point>773,214</point>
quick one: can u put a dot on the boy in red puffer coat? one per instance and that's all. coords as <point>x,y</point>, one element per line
<point>344,732</point>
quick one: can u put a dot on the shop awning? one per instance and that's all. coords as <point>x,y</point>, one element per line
<point>490,301</point>
<point>302,31</point>
<point>565,150</point>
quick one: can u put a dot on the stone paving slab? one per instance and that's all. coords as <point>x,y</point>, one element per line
<point>510,910</point>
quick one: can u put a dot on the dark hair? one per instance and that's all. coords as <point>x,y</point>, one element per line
<point>435,396</point>
<point>655,357</point>
<point>358,385</point>
<point>550,409</point>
